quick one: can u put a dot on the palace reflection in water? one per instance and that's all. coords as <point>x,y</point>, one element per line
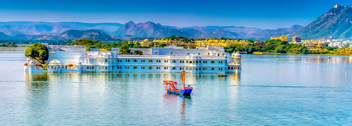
<point>116,95</point>
<point>271,90</point>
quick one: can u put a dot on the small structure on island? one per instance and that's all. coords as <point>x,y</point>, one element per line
<point>236,66</point>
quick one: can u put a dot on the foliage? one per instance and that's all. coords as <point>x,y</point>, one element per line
<point>38,52</point>
<point>280,49</point>
<point>124,49</point>
<point>45,67</point>
<point>138,52</point>
<point>10,44</point>
<point>344,51</point>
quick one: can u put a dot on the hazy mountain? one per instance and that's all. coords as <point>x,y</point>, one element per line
<point>87,34</point>
<point>52,28</point>
<point>337,23</point>
<point>131,31</point>
<point>148,29</point>
<point>4,36</point>
<point>153,30</point>
<point>266,34</point>
<point>242,32</point>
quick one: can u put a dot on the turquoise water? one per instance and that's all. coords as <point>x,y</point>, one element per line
<point>270,90</point>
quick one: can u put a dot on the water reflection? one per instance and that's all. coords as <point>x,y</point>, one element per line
<point>322,59</point>
<point>171,101</point>
<point>234,78</point>
<point>37,97</point>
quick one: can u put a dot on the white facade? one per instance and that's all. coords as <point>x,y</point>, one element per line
<point>338,43</point>
<point>170,59</point>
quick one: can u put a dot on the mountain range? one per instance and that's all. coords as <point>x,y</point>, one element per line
<point>128,31</point>
<point>336,23</point>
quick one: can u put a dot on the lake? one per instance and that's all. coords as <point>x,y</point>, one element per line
<point>270,90</point>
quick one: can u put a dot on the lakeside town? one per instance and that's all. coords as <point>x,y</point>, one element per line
<point>172,54</point>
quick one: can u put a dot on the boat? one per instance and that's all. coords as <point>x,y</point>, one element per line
<point>171,86</point>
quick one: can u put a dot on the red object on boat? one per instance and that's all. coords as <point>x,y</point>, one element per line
<point>171,86</point>
<point>25,64</point>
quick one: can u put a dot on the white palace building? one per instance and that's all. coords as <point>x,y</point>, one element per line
<point>211,59</point>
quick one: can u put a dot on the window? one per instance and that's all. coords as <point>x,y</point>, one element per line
<point>205,61</point>
<point>186,68</point>
<point>127,67</point>
<point>155,52</point>
<point>165,68</point>
<point>173,68</point>
<point>87,67</point>
<point>173,61</point>
<point>208,54</point>
<point>190,61</point>
<point>135,60</point>
<point>220,62</point>
<point>212,68</point>
<point>198,53</point>
<point>212,62</point>
<point>197,61</point>
<point>106,60</point>
<point>158,61</point>
<point>172,53</point>
<point>187,54</point>
<point>220,68</point>
<point>118,67</point>
<point>92,67</point>
<point>135,67</point>
<point>143,68</point>
<point>229,68</point>
<point>142,60</point>
<point>223,54</point>
<point>186,61</point>
<point>106,68</point>
<point>166,61</point>
<point>127,60</point>
<point>182,61</point>
<point>150,61</point>
<point>150,68</point>
<point>158,68</point>
<point>196,68</point>
<point>203,68</point>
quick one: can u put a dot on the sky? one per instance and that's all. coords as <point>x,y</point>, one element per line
<point>266,14</point>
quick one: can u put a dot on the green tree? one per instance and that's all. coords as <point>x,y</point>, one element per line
<point>124,49</point>
<point>162,45</point>
<point>229,49</point>
<point>38,52</point>
<point>250,40</point>
<point>280,49</point>
<point>326,44</point>
<point>138,52</point>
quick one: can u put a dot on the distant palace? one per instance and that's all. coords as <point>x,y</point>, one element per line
<point>210,59</point>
